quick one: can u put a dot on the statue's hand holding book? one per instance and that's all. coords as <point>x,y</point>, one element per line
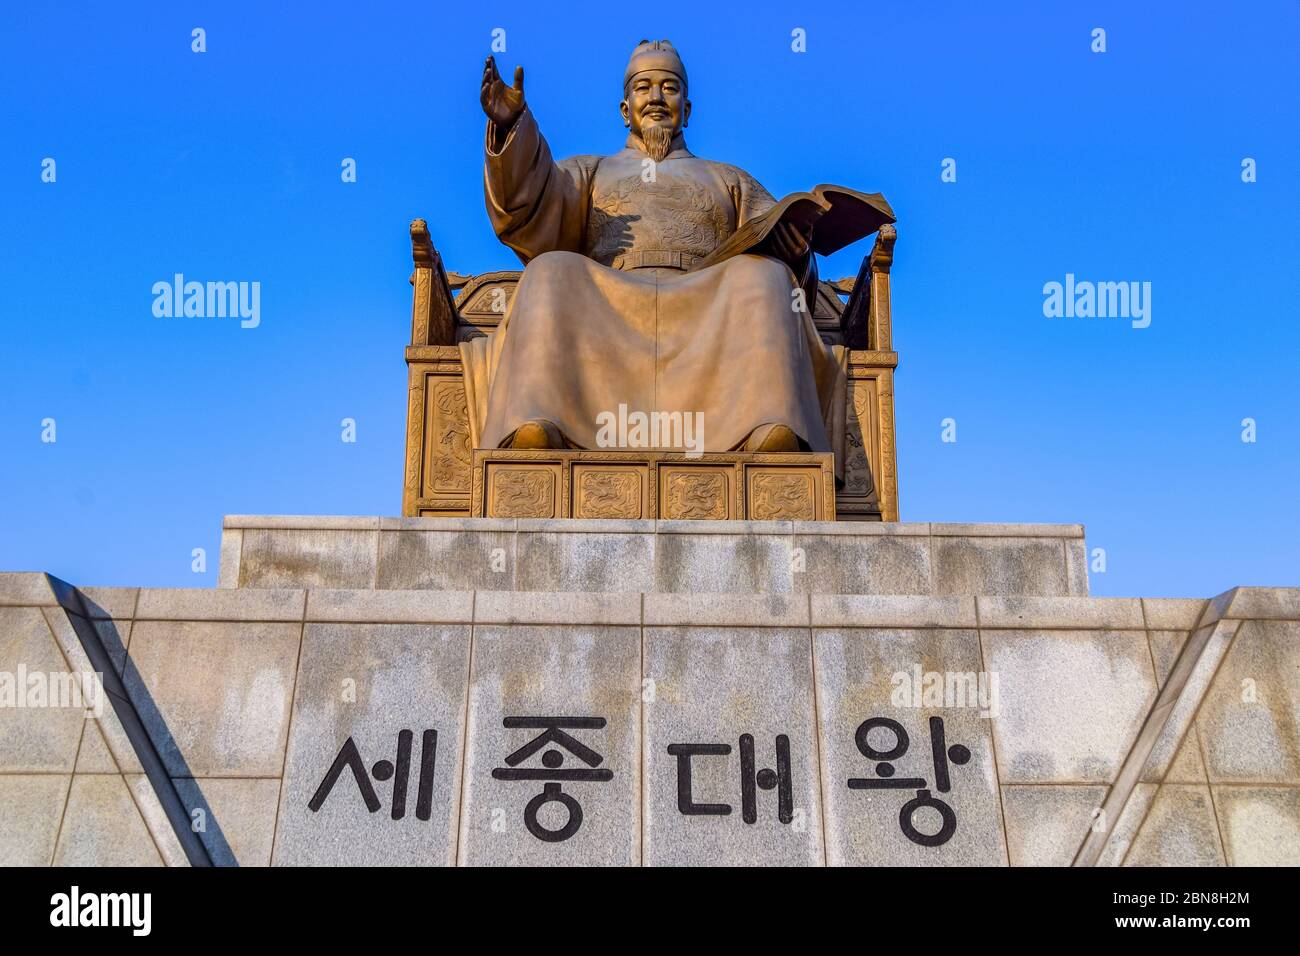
<point>830,217</point>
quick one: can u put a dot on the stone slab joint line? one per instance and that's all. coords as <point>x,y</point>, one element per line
<point>462,824</point>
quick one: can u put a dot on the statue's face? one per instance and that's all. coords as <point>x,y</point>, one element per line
<point>656,98</point>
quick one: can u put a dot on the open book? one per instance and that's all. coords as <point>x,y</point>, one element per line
<point>834,216</point>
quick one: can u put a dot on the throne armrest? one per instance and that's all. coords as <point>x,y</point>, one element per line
<point>867,320</point>
<point>433,311</point>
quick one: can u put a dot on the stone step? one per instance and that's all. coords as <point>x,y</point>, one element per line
<point>780,557</point>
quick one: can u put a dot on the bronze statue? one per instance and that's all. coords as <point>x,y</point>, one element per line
<point>614,308</point>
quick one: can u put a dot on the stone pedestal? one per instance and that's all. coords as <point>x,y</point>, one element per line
<point>439,692</point>
<point>746,557</point>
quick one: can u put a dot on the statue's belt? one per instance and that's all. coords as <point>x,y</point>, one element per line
<point>655,259</point>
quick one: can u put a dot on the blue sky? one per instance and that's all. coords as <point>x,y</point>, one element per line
<point>225,165</point>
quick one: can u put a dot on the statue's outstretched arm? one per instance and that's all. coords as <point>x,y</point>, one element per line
<point>536,205</point>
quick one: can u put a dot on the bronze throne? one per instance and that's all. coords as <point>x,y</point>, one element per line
<point>446,476</point>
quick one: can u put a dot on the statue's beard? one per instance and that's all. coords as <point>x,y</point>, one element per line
<point>658,141</point>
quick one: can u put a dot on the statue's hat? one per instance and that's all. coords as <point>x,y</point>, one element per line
<point>654,55</point>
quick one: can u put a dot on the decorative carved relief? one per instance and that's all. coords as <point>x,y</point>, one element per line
<point>520,493</point>
<point>423,290</point>
<point>600,484</point>
<point>608,494</point>
<point>414,416</point>
<point>477,502</point>
<point>688,217</point>
<point>490,301</point>
<point>858,479</point>
<point>699,495</point>
<point>888,468</point>
<point>452,458</point>
<point>783,497</point>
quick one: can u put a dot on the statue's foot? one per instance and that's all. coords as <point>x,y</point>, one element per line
<point>538,434</point>
<point>772,438</point>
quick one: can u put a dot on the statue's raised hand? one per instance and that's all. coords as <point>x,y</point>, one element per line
<point>502,103</point>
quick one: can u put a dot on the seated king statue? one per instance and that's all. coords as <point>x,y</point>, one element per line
<point>612,308</point>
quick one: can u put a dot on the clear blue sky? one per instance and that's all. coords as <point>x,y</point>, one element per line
<point>225,165</point>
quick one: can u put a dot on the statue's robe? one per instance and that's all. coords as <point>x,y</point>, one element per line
<point>605,314</point>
